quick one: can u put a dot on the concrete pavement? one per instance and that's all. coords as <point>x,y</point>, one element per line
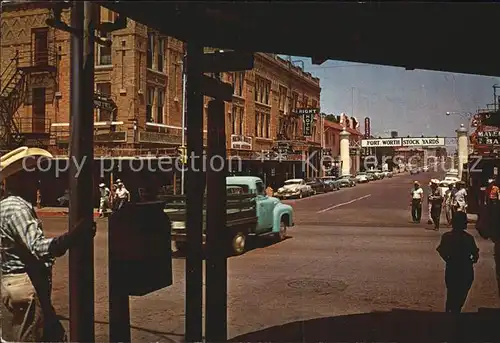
<point>350,254</point>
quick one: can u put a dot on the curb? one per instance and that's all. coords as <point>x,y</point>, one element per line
<point>55,214</point>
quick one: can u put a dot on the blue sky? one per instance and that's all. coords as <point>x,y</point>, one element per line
<point>410,102</point>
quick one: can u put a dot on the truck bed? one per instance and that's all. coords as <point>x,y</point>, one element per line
<point>240,212</point>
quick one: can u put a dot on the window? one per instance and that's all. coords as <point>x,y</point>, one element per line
<point>237,120</point>
<point>241,115</point>
<point>262,125</point>
<point>314,103</point>
<point>262,91</point>
<point>41,41</point>
<point>160,101</point>
<point>257,117</point>
<point>282,98</point>
<point>161,55</point>
<point>306,101</point>
<point>268,125</point>
<point>295,101</point>
<point>38,108</point>
<point>238,82</point>
<point>233,120</point>
<point>103,89</point>
<point>151,48</point>
<point>259,187</point>
<point>104,53</point>
<point>149,104</point>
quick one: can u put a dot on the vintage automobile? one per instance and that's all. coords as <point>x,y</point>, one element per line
<point>347,180</point>
<point>362,177</point>
<point>294,188</point>
<point>332,182</point>
<point>318,186</point>
<point>250,212</point>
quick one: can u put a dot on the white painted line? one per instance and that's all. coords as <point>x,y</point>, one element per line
<point>345,203</point>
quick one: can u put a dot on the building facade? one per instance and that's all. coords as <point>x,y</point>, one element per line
<point>139,98</point>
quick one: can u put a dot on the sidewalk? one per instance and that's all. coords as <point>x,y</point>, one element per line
<point>57,212</point>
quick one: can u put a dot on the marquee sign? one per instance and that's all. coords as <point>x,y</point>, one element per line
<point>405,142</point>
<point>488,138</point>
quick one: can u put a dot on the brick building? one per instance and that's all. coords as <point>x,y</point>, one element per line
<point>139,79</point>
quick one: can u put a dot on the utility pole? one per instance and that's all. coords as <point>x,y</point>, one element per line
<point>81,257</point>
<point>495,99</point>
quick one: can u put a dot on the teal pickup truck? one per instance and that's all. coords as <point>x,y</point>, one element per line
<point>250,212</point>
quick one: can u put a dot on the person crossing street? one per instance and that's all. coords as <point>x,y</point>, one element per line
<point>104,196</point>
<point>435,199</point>
<point>417,194</point>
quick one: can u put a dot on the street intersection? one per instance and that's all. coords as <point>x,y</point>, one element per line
<point>352,252</point>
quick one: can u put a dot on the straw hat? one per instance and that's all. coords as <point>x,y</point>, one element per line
<point>434,182</point>
<point>19,159</point>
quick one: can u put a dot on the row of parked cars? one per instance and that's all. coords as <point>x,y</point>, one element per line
<point>301,188</point>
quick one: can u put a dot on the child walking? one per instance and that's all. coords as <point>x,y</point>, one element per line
<point>459,250</point>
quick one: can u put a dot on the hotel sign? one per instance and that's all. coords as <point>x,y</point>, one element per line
<point>308,117</point>
<point>240,142</point>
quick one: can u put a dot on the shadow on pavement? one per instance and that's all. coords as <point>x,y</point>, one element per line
<point>392,326</point>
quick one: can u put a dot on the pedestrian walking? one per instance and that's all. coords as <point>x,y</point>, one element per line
<point>27,257</point>
<point>460,198</point>
<point>104,199</point>
<point>122,195</point>
<point>448,202</point>
<point>417,194</point>
<point>429,206</point>
<point>488,224</point>
<point>459,251</point>
<point>435,199</point>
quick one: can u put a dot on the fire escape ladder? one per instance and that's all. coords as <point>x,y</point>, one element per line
<point>12,96</point>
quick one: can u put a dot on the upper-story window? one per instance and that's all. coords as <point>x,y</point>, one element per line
<point>104,52</point>
<point>295,101</point>
<point>238,82</point>
<point>151,49</point>
<point>262,91</point>
<point>314,103</point>
<point>306,101</point>
<point>41,46</point>
<point>104,89</point>
<point>161,55</point>
<point>149,103</point>
<point>160,105</point>
<point>283,92</point>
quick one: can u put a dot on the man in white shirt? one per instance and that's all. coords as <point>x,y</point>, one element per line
<point>460,201</point>
<point>122,195</point>
<point>417,194</point>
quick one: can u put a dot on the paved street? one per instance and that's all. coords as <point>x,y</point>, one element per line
<point>353,251</point>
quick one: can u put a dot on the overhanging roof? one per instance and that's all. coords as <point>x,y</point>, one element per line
<point>454,37</point>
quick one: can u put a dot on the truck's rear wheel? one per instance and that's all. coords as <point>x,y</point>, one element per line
<point>238,243</point>
<point>181,246</point>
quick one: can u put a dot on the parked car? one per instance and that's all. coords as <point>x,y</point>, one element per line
<point>347,180</point>
<point>375,175</point>
<point>317,186</point>
<point>425,169</point>
<point>253,215</point>
<point>362,177</point>
<point>332,182</point>
<point>294,188</point>
<point>414,171</point>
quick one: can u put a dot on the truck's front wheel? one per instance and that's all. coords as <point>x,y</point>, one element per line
<point>281,235</point>
<point>238,243</point>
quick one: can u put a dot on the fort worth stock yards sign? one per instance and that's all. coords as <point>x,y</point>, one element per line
<point>402,142</point>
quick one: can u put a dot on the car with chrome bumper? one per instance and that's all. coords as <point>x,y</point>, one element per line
<point>294,188</point>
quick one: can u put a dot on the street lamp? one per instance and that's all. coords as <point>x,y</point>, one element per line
<point>465,115</point>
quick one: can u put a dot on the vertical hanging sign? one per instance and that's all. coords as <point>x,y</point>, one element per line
<point>367,127</point>
<point>308,117</point>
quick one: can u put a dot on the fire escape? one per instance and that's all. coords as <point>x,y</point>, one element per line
<point>24,81</point>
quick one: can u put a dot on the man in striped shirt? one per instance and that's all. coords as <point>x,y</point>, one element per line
<point>27,257</point>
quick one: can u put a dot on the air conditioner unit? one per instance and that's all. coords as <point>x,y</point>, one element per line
<point>176,99</point>
<point>140,92</point>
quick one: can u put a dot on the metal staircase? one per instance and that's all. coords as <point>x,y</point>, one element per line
<point>12,96</point>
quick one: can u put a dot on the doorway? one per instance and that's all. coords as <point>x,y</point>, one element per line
<point>41,46</point>
<point>38,118</point>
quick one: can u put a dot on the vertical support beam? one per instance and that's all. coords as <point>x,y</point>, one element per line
<point>462,148</point>
<point>344,152</point>
<point>81,184</point>
<point>195,189</point>
<point>217,238</point>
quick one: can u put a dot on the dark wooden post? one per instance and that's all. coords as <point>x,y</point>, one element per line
<point>217,244</point>
<point>81,186</point>
<point>195,189</point>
